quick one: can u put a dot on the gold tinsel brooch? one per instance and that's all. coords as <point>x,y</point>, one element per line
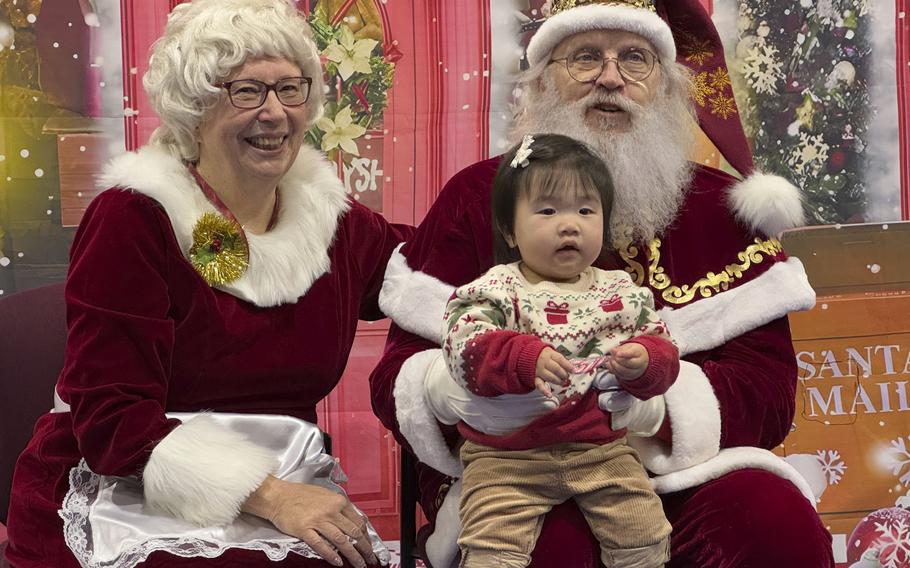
<point>220,253</point>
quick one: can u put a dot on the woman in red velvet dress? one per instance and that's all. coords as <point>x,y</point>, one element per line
<point>225,271</point>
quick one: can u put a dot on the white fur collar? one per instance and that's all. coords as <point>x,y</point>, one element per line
<point>284,262</point>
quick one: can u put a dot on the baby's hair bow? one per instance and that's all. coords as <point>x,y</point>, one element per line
<point>523,152</point>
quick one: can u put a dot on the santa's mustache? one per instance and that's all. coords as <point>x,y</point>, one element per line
<point>604,98</point>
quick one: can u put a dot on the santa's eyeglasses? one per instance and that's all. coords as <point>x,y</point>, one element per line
<point>586,65</point>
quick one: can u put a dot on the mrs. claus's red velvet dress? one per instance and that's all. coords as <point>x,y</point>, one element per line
<point>147,335</point>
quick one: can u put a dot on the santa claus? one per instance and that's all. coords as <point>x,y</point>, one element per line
<point>617,76</point>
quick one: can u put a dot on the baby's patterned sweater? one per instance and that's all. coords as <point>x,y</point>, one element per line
<point>497,325</point>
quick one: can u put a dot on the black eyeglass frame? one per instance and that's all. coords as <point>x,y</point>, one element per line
<point>603,65</point>
<point>226,85</point>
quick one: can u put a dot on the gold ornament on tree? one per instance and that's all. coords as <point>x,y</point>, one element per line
<point>557,6</point>
<point>22,13</point>
<point>220,253</point>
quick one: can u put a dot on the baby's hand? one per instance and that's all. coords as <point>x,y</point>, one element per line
<point>628,361</point>
<point>552,368</point>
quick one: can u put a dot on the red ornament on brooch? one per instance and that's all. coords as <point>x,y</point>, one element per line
<point>557,314</point>
<point>611,304</point>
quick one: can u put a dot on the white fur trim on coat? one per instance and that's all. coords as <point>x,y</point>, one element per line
<point>767,203</point>
<point>695,415</point>
<point>415,301</point>
<point>415,419</point>
<point>713,321</point>
<point>202,472</point>
<point>285,261</point>
<point>600,17</point>
<point>729,460</point>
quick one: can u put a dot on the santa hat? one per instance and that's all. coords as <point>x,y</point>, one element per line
<point>679,30</point>
<point>569,17</point>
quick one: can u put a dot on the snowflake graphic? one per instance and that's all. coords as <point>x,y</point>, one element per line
<point>761,68</point>
<point>832,464</point>
<point>723,106</point>
<point>809,155</point>
<point>896,457</point>
<point>893,543</point>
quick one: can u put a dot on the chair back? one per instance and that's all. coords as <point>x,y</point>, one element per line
<point>32,341</point>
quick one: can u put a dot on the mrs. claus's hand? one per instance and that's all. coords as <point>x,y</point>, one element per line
<point>323,519</point>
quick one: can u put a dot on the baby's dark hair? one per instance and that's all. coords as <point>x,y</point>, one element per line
<point>555,162</point>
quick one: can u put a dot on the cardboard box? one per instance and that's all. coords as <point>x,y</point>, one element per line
<point>853,398</point>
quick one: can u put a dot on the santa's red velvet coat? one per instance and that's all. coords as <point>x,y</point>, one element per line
<point>723,287</point>
<point>147,335</point>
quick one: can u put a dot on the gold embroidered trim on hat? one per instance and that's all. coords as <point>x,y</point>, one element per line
<point>711,88</point>
<point>562,5</point>
<point>707,286</point>
<point>694,50</point>
<point>723,106</point>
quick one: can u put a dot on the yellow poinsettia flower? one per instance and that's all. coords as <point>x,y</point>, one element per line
<point>341,132</point>
<point>350,54</point>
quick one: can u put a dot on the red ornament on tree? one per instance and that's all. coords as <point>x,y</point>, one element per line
<point>888,532</point>
<point>836,161</point>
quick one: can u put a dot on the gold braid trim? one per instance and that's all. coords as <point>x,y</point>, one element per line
<point>707,286</point>
<point>628,252</point>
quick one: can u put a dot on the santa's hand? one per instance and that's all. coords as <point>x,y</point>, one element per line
<point>640,417</point>
<point>497,416</point>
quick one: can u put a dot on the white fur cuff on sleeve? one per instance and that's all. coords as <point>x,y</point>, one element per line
<point>415,301</point>
<point>695,420</point>
<point>202,472</point>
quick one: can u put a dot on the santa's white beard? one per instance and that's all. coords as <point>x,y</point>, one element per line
<point>648,162</point>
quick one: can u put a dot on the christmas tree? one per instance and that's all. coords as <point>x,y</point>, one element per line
<point>802,65</point>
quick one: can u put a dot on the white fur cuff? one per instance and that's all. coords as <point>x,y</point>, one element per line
<point>695,420</point>
<point>415,301</point>
<point>415,419</point>
<point>202,472</point>
<point>767,203</point>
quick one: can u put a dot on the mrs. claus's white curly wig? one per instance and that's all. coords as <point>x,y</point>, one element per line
<point>204,42</point>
